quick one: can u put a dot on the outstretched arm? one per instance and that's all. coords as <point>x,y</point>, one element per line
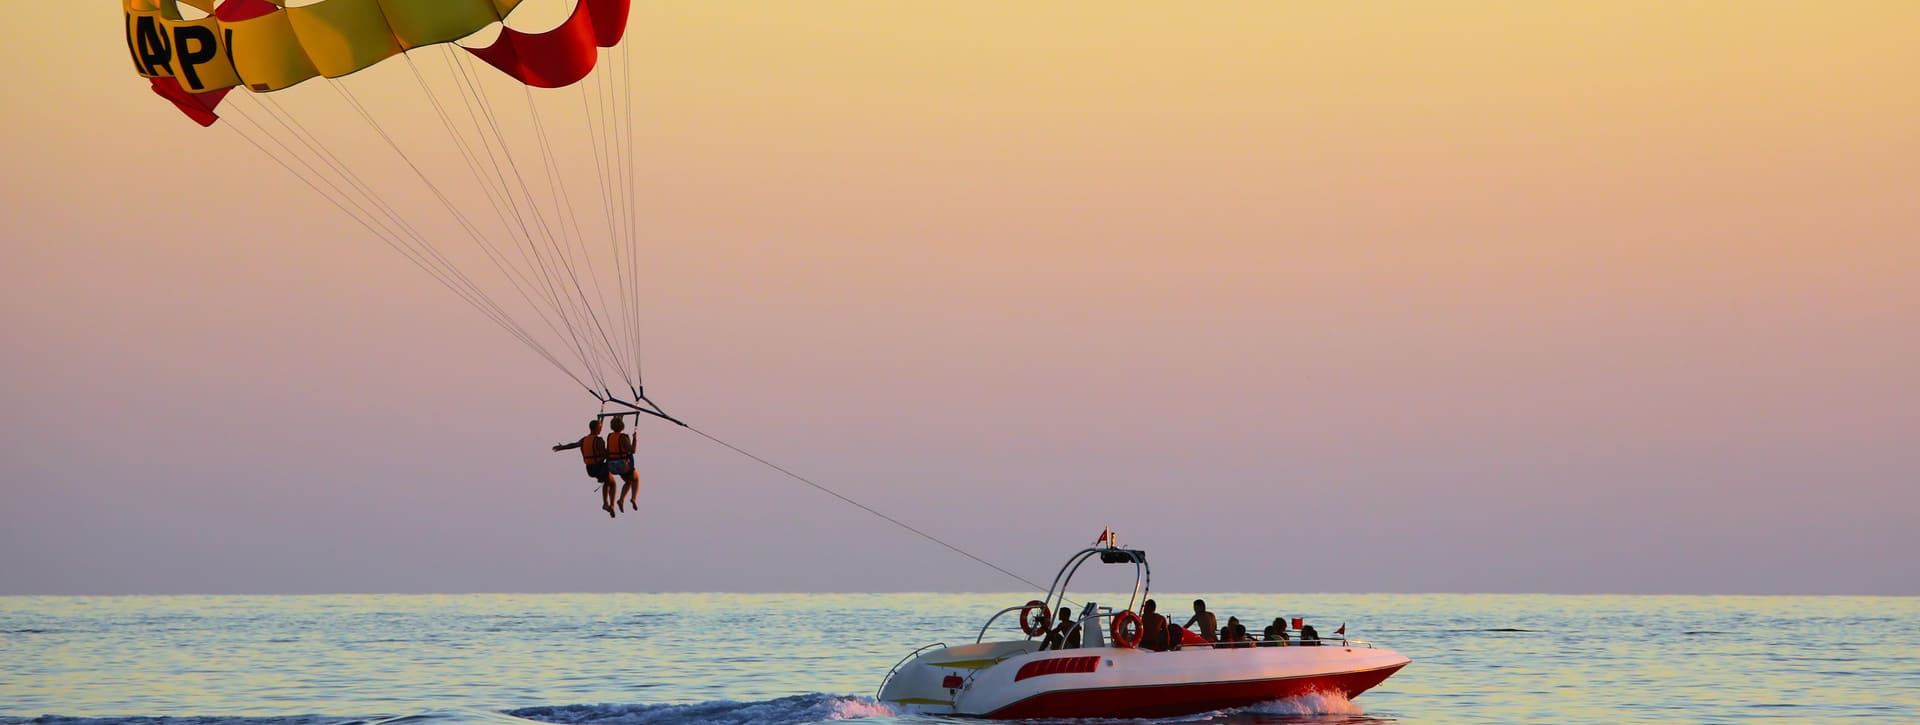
<point>566,446</point>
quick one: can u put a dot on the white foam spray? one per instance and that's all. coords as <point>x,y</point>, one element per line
<point>1312,703</point>
<point>779,711</point>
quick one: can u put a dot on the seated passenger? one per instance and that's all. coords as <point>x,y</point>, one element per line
<point>1309,637</point>
<point>1276,633</point>
<point>1050,639</point>
<point>1209,625</point>
<point>1153,628</point>
<point>1065,635</point>
<point>1234,633</point>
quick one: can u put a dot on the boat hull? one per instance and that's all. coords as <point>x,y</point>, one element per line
<point>1006,681</point>
<point>1172,700</point>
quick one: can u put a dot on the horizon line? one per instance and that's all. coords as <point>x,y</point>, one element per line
<point>932,593</point>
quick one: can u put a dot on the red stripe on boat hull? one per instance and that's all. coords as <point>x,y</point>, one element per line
<point>1172,700</point>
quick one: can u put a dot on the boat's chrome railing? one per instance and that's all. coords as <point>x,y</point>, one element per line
<point>1104,613</point>
<point>992,619</point>
<point>1056,597</point>
<point>896,667</point>
<point>1110,554</point>
<point>1251,643</point>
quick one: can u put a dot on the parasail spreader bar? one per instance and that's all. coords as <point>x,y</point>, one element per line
<point>650,408</point>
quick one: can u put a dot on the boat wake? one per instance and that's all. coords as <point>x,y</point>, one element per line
<point>1309,705</point>
<point>1322,709</point>
<point>426,718</point>
<point>781,711</point>
<point>792,710</point>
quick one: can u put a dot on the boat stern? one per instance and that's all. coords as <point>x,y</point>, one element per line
<point>928,682</point>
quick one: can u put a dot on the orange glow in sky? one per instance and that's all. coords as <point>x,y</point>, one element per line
<point>1569,296</point>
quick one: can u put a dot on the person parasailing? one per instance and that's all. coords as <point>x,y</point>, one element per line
<point>620,463</point>
<point>222,63</point>
<point>593,450</point>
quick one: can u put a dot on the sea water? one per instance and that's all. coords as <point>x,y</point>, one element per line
<point>775,659</point>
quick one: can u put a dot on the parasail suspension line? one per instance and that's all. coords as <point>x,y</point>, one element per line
<point>642,405</point>
<point>449,277</point>
<point>494,255</point>
<point>861,506</point>
<point>571,308</point>
<point>557,185</point>
<point>653,409</point>
<point>626,123</point>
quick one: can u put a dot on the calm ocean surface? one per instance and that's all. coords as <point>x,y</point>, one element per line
<point>775,659</point>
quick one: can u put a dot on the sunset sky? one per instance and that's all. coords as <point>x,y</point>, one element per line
<point>1574,297</point>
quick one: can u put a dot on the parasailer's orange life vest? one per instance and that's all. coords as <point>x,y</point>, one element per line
<point>593,450</point>
<point>619,445</point>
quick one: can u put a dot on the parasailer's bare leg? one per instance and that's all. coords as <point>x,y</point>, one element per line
<point>630,491</point>
<point>606,495</point>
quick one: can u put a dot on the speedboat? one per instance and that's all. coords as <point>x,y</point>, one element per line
<point>1110,675</point>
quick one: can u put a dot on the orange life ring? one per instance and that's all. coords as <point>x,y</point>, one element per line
<point>1127,628</point>
<point>1027,623</point>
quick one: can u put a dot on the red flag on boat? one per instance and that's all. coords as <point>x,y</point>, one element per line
<point>1342,629</point>
<point>1106,535</point>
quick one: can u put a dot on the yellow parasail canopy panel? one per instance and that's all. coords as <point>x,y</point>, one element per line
<point>343,36</point>
<point>431,22</point>
<point>267,54</point>
<point>266,46</point>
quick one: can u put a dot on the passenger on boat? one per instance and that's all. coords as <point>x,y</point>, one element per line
<point>1209,625</point>
<point>1309,637</point>
<point>1276,633</point>
<point>1065,635</point>
<point>1235,633</point>
<point>1153,628</point>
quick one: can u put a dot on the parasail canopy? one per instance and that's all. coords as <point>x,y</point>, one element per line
<point>562,282</point>
<point>538,268</point>
<point>265,46</point>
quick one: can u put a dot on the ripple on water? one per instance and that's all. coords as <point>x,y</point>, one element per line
<point>1477,658</point>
